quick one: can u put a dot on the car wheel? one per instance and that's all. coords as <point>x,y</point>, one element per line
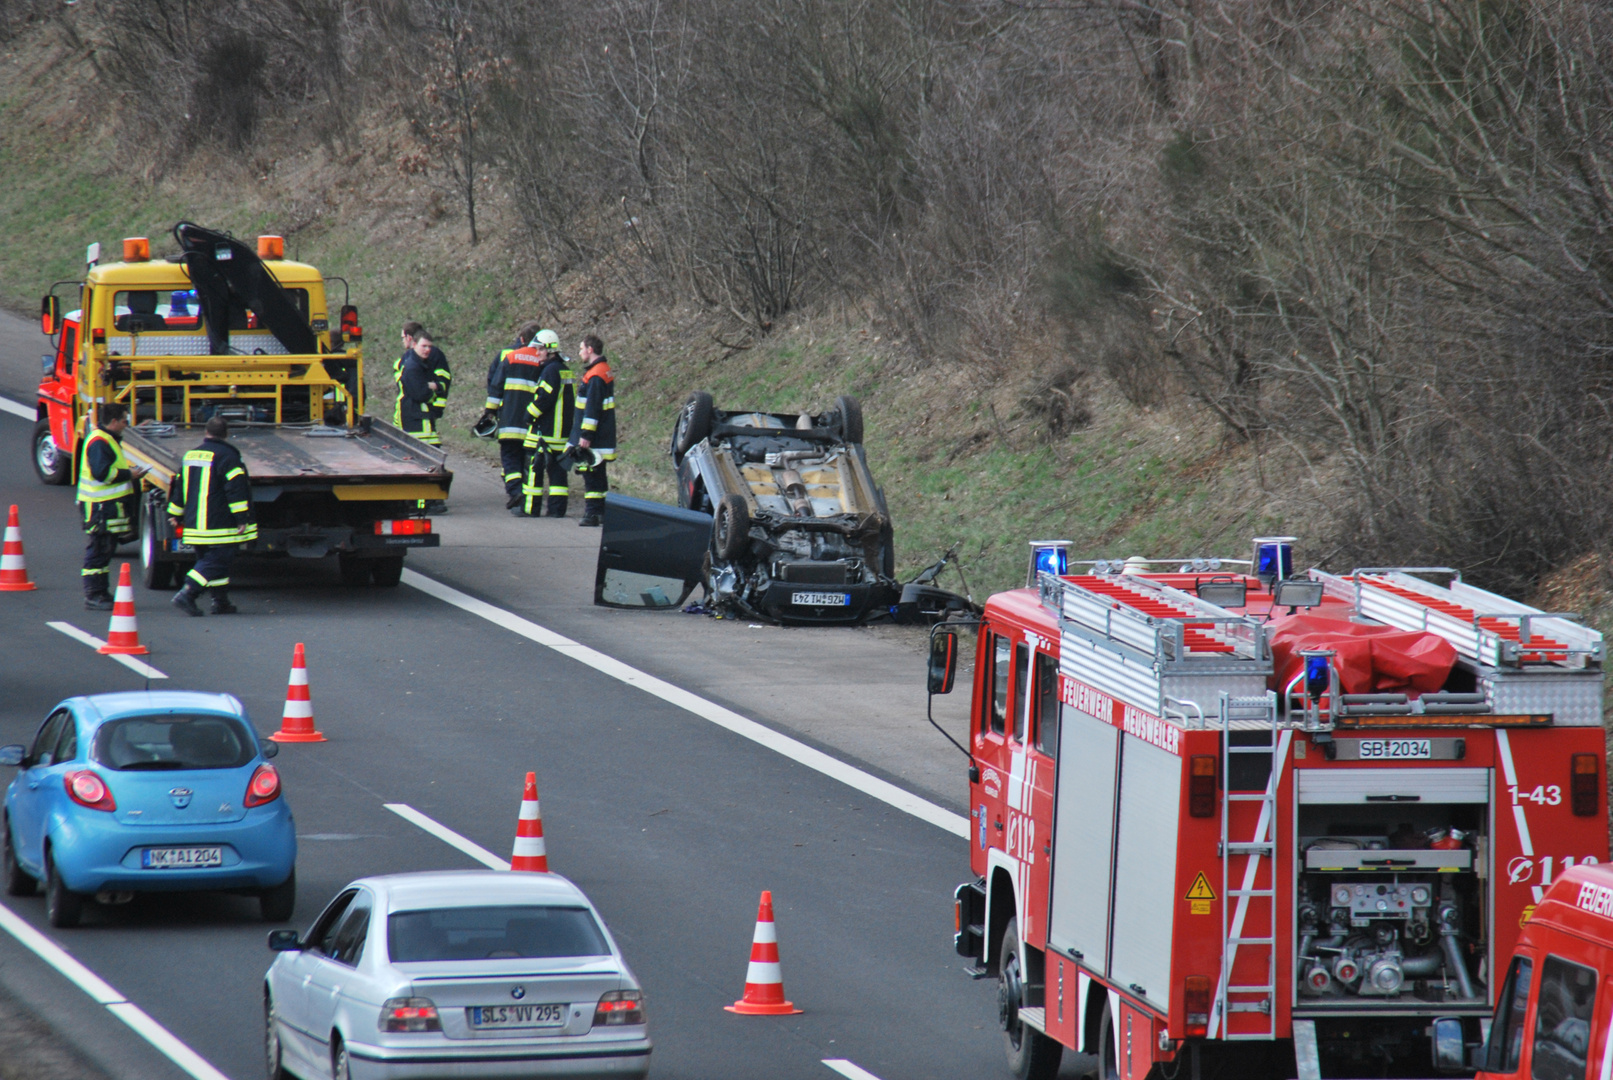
<point>851,418</point>
<point>1031,1055</point>
<point>276,904</point>
<point>354,571</point>
<point>271,1041</point>
<point>18,882</point>
<point>53,466</point>
<point>63,907</point>
<point>694,424</point>
<point>339,1068</point>
<point>154,573</point>
<point>730,528</point>
<point>387,572</point>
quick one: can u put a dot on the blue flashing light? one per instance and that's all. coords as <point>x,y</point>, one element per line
<point>1274,561</point>
<point>1317,676</point>
<point>1052,560</point>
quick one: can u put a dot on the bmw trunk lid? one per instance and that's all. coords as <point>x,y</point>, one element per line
<point>575,983</point>
<point>178,796</point>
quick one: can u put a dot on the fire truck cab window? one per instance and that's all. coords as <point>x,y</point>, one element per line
<point>1022,671</point>
<point>1505,1048</point>
<point>1047,705</point>
<point>1001,650</point>
<point>1562,1020</point>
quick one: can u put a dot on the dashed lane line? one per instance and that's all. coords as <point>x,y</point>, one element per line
<point>133,663</point>
<point>795,750</point>
<point>447,835</point>
<point>849,1070</point>
<point>16,408</point>
<point>103,994</point>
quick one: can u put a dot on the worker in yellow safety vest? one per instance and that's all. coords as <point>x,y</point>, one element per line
<point>106,495</point>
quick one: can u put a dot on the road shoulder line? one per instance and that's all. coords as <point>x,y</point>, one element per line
<point>133,663</point>
<point>850,1070</point>
<point>16,408</point>
<point>447,835</point>
<point>795,750</point>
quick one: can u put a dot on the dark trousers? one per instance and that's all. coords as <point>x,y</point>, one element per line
<point>594,487</point>
<point>545,476</point>
<point>512,456</point>
<point>212,569</point>
<point>99,548</point>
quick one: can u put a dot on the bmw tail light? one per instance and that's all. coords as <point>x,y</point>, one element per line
<point>1196,1006</point>
<point>86,788</point>
<point>410,1014</point>
<point>620,1007</point>
<point>1201,786</point>
<point>1582,784</point>
<point>263,787</point>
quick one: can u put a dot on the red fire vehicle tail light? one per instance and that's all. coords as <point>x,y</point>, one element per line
<point>406,527</point>
<point>1196,1006</point>
<point>1584,777</point>
<point>1201,786</point>
<point>86,788</point>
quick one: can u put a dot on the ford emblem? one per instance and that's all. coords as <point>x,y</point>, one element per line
<point>181,797</point>
<point>518,993</point>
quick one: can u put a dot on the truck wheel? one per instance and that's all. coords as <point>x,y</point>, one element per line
<point>50,462</point>
<point>1108,1056</point>
<point>1031,1055</point>
<point>694,424</point>
<point>730,528</point>
<point>354,571</point>
<point>154,573</point>
<point>387,572</point>
<point>851,418</point>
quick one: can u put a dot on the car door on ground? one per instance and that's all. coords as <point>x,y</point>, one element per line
<point>31,791</point>
<point>292,981</point>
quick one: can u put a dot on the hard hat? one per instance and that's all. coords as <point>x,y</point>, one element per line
<point>548,339</point>
<point>485,427</point>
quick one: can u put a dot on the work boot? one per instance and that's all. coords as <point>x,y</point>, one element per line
<point>591,519</point>
<point>98,601</point>
<point>185,599</point>
<point>221,603</point>
<point>557,507</point>
<point>518,511</point>
<point>512,502</point>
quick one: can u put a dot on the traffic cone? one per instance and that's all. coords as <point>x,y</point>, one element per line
<point>123,634</point>
<point>529,853</point>
<point>13,567</point>
<point>297,722</point>
<point>764,980</point>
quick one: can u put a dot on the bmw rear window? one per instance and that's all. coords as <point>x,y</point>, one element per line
<point>493,933</point>
<point>174,741</point>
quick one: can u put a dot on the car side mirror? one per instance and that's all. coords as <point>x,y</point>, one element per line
<point>1450,1050</point>
<point>50,315</point>
<point>943,660</point>
<point>268,747</point>
<point>13,755</point>
<point>284,941</point>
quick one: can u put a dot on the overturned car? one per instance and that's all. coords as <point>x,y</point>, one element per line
<point>777,518</point>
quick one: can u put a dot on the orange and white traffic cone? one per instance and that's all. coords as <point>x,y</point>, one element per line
<point>123,634</point>
<point>529,853</point>
<point>13,567</point>
<point>764,980</point>
<point>297,722</point>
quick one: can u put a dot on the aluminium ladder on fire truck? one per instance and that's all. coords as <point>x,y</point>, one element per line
<point>1259,715</point>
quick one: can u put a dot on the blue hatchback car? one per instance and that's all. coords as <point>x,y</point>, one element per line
<point>147,792</point>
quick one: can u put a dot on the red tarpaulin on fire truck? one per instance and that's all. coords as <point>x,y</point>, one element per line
<point>1369,659</point>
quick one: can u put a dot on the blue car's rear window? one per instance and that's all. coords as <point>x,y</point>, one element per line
<point>174,741</point>
<point>492,933</point>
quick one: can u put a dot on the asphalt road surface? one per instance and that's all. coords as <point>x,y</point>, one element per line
<point>673,824</point>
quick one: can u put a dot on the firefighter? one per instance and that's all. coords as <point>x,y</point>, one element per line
<point>410,329</point>
<point>593,439</point>
<point>511,382</point>
<point>551,413</point>
<point>107,495</point>
<point>417,390</point>
<point>211,500</point>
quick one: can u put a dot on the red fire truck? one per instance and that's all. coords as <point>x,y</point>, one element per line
<point>1242,822</point>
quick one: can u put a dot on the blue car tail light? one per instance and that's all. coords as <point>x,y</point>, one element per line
<point>264,786</point>
<point>85,787</point>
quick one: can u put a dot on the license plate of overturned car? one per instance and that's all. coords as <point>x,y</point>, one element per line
<point>821,599</point>
<point>181,858</point>
<point>516,1016</point>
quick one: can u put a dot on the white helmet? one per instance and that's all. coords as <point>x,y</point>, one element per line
<point>548,339</point>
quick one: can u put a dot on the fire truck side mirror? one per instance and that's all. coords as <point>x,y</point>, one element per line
<point>50,315</point>
<point>1450,1049</point>
<point>943,660</point>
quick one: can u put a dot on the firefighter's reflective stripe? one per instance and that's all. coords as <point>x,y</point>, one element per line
<point>207,583</point>
<point>204,500</point>
<point>91,490</point>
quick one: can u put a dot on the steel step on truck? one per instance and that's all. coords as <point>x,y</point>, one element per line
<point>1242,823</point>
<point>225,329</point>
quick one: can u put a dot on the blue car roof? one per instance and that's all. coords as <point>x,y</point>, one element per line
<point>102,707</point>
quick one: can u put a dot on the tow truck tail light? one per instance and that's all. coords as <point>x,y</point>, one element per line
<point>351,330</point>
<point>1201,786</point>
<point>136,249</point>
<point>619,1007</point>
<point>405,527</point>
<point>271,247</point>
<point>1196,1006</point>
<point>263,787</point>
<point>1584,777</point>
<point>86,788</point>
<point>410,1014</point>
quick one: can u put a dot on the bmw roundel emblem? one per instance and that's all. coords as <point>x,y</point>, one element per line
<point>518,993</point>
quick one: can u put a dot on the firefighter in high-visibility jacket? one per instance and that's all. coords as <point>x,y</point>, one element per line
<point>211,501</point>
<point>593,439</point>
<point>416,391</point>
<point>107,495</point>
<point>551,412</point>
<point>511,382</point>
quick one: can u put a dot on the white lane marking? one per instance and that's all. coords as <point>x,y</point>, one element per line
<point>103,994</point>
<point>17,409</point>
<point>447,835</point>
<point>848,1070</point>
<point>133,663</point>
<point>797,751</point>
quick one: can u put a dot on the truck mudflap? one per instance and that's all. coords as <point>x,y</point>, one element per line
<point>650,555</point>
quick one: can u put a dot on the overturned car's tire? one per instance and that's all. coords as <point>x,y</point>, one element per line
<point>730,528</point>
<point>694,424</point>
<point>851,418</point>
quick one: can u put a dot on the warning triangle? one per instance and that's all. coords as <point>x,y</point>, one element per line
<point>1201,889</point>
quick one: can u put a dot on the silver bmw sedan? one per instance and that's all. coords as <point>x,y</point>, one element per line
<point>463,973</point>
